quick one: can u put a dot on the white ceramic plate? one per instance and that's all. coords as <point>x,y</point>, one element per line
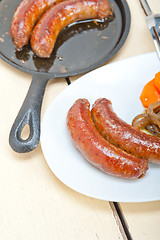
<point>122,83</point>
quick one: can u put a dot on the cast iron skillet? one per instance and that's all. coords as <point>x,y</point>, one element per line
<point>79,49</point>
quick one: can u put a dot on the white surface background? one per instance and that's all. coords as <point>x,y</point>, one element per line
<point>34,204</point>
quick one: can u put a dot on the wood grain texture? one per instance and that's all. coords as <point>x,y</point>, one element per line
<point>34,204</point>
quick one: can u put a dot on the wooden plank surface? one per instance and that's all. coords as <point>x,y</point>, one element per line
<point>34,204</point>
<point>143,219</point>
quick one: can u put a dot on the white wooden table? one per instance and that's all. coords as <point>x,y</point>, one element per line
<point>34,204</point>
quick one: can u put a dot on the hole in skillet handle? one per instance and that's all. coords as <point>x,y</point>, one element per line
<point>29,115</point>
<point>26,133</point>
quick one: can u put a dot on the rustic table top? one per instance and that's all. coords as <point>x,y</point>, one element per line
<point>34,204</point>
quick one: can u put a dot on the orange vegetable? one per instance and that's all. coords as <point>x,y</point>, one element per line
<point>157,80</point>
<point>150,94</point>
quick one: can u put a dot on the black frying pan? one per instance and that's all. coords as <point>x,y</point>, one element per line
<point>79,49</point>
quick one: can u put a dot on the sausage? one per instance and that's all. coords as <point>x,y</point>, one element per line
<point>26,15</point>
<point>57,17</point>
<point>123,135</point>
<point>96,149</point>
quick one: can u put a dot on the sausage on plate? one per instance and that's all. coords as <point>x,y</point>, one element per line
<point>123,135</point>
<point>61,15</point>
<point>96,149</point>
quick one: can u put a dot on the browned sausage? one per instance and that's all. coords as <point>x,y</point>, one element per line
<point>57,17</point>
<point>124,135</point>
<point>26,15</point>
<point>96,149</point>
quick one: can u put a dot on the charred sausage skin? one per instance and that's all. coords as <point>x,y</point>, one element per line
<point>58,17</point>
<point>123,135</point>
<point>26,15</point>
<point>96,149</point>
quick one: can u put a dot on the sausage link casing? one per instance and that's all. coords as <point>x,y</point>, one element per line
<point>96,149</point>
<point>26,15</point>
<point>57,17</point>
<point>123,135</point>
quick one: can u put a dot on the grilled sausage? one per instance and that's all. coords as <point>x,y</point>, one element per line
<point>124,135</point>
<point>26,15</point>
<point>57,17</point>
<point>96,149</point>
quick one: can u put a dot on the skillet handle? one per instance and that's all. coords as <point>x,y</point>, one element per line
<point>29,114</point>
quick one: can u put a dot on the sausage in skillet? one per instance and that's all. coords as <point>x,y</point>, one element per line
<point>26,15</point>
<point>123,135</point>
<point>61,15</point>
<point>96,149</point>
